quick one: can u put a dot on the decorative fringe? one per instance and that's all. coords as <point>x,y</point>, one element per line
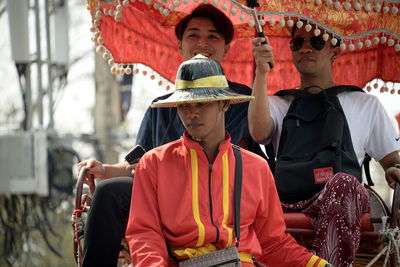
<point>283,19</point>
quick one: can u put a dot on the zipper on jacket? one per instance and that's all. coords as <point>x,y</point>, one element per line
<point>210,197</point>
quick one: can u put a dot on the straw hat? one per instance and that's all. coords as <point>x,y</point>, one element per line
<point>199,79</point>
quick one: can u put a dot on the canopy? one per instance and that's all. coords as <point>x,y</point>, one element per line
<point>131,32</point>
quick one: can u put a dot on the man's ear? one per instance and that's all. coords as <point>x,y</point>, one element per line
<point>180,46</point>
<point>336,53</point>
<point>225,105</point>
<point>227,49</point>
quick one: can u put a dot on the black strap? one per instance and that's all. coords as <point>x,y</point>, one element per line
<point>335,90</point>
<point>367,171</point>
<point>269,150</point>
<point>237,190</point>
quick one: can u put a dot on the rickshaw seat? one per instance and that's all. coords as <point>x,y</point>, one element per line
<point>300,227</point>
<point>301,222</point>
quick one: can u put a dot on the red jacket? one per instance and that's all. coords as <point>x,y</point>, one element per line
<point>179,200</point>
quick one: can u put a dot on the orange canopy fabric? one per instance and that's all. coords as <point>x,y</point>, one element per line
<point>144,34</point>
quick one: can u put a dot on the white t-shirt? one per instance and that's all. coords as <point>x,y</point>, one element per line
<point>370,127</point>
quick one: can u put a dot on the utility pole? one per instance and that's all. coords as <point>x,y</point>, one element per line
<point>107,112</point>
<point>39,63</point>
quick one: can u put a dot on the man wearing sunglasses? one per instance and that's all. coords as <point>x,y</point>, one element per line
<point>336,209</point>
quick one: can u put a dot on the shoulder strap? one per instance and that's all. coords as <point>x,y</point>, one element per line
<point>367,171</point>
<point>237,190</point>
<point>270,151</point>
<point>287,92</point>
<point>333,90</point>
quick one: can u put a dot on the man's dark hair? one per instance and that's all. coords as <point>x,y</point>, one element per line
<point>221,22</point>
<point>304,21</point>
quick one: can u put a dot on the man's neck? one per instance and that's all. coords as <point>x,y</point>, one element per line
<point>316,83</point>
<point>211,145</point>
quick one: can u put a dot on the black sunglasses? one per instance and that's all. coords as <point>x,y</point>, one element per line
<point>316,42</point>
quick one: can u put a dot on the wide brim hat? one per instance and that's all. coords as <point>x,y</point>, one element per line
<point>200,79</point>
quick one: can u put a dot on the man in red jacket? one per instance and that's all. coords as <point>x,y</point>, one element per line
<point>183,190</point>
<point>208,31</point>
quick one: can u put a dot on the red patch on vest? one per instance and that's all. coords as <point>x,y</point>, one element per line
<point>322,175</point>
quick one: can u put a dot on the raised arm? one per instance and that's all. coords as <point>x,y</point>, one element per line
<point>261,124</point>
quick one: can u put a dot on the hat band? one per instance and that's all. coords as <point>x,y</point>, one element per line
<point>211,81</point>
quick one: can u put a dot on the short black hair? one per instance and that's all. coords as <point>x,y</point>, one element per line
<point>304,21</point>
<point>221,22</point>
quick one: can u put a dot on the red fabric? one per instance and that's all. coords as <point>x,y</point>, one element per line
<point>145,36</point>
<point>162,211</point>
<point>303,221</point>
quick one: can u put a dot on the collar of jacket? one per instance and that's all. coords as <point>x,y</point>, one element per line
<point>189,143</point>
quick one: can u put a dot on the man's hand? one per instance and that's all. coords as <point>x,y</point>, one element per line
<point>94,169</point>
<point>262,54</point>
<point>131,168</point>
<point>392,175</point>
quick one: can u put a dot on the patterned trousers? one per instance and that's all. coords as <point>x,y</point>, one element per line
<point>336,217</point>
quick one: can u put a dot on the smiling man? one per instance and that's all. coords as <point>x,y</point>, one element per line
<point>201,35</point>
<point>325,183</point>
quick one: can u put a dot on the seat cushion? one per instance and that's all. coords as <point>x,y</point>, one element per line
<point>303,221</point>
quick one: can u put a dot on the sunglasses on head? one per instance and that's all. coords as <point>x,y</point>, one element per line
<point>316,42</point>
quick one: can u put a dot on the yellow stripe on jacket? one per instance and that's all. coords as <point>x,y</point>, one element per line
<point>316,261</point>
<point>195,198</point>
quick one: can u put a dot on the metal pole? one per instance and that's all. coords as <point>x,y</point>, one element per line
<point>49,66</point>
<point>39,64</point>
<point>28,97</point>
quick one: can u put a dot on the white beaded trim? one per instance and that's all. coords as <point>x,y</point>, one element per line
<point>358,41</point>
